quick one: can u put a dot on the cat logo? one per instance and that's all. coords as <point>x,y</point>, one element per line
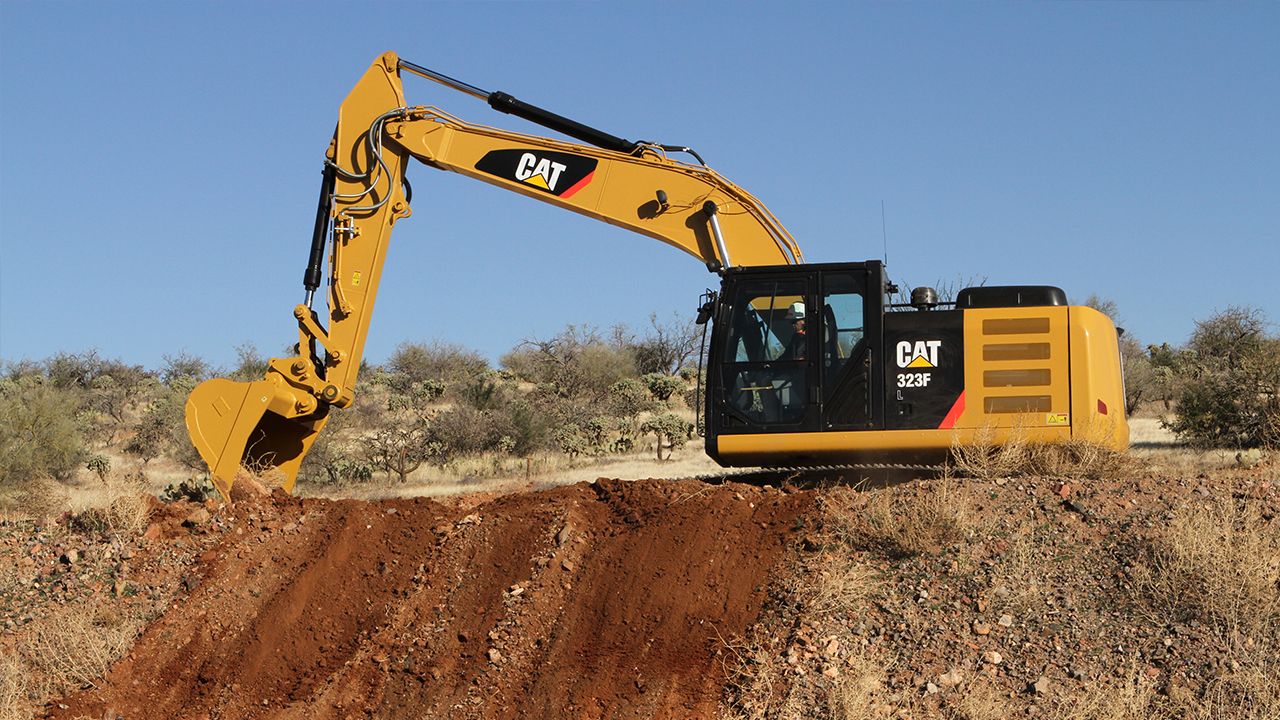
<point>541,173</point>
<point>921,354</point>
<point>558,173</point>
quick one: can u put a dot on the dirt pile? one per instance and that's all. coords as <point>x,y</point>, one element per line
<point>597,600</point>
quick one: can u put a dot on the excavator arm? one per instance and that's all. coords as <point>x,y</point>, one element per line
<point>270,424</point>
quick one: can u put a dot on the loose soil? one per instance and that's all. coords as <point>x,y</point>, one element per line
<point>598,600</point>
<point>927,599</point>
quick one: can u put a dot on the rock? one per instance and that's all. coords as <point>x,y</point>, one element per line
<point>152,533</point>
<point>832,647</point>
<point>992,657</point>
<point>516,591</point>
<point>495,656</point>
<point>981,628</point>
<point>832,672</point>
<point>951,679</point>
<point>1005,620</point>
<point>567,565</point>
<point>69,557</point>
<point>199,516</point>
<point>1075,673</point>
<point>563,536</point>
<point>930,688</point>
<point>1062,490</point>
<point>1039,687</point>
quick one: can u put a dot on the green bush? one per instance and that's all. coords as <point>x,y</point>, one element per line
<point>671,430</point>
<point>1229,383</point>
<point>454,366</point>
<point>38,432</point>
<point>663,387</point>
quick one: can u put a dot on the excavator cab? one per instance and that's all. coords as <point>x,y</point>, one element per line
<point>767,377</point>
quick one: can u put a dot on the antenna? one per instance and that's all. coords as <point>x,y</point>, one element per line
<point>884,234</point>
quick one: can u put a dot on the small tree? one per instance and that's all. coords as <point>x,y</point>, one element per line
<point>671,430</point>
<point>663,387</point>
<point>38,433</point>
<point>667,346</point>
<point>402,440</point>
<point>1230,383</point>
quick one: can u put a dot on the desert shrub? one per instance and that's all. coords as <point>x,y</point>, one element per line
<point>196,489</point>
<point>663,387</point>
<point>99,465</point>
<point>529,430</point>
<point>1140,379</point>
<point>401,439</point>
<point>671,430</point>
<point>183,367</point>
<point>453,366</point>
<point>125,511</point>
<point>38,433</point>
<point>1229,393</point>
<point>250,364</point>
<point>73,369</point>
<point>628,398</point>
<point>1165,363</point>
<point>152,434</point>
<point>464,430</point>
<point>577,362</point>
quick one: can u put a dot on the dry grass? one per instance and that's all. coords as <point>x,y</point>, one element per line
<point>841,585</point>
<point>858,692</point>
<point>754,674</point>
<point>1219,562</point>
<point>65,651</point>
<point>980,701</point>
<point>35,500</point>
<point>902,521</point>
<point>985,458</point>
<point>1252,691</point>
<point>73,648</point>
<point>13,689</point>
<point>121,508</point>
<point>1130,699</point>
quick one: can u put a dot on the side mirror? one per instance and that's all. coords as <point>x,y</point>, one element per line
<point>705,312</point>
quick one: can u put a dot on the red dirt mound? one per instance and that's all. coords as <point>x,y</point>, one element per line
<point>601,600</point>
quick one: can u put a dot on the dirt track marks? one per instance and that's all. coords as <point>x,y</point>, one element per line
<point>597,600</point>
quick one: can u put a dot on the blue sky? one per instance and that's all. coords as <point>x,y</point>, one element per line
<point>159,162</point>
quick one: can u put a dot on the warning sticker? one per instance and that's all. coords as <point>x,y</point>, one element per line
<point>1058,419</point>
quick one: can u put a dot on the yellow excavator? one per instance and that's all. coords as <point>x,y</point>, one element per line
<point>808,364</point>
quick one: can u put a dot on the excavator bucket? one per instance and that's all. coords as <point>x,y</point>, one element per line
<point>232,426</point>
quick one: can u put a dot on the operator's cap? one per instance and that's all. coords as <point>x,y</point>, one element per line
<point>796,311</point>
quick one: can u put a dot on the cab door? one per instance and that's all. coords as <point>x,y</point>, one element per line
<point>767,374</point>
<point>850,370</point>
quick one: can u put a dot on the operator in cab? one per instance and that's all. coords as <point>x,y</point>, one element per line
<point>798,343</point>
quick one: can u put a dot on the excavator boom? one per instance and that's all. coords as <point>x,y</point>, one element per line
<point>270,424</point>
